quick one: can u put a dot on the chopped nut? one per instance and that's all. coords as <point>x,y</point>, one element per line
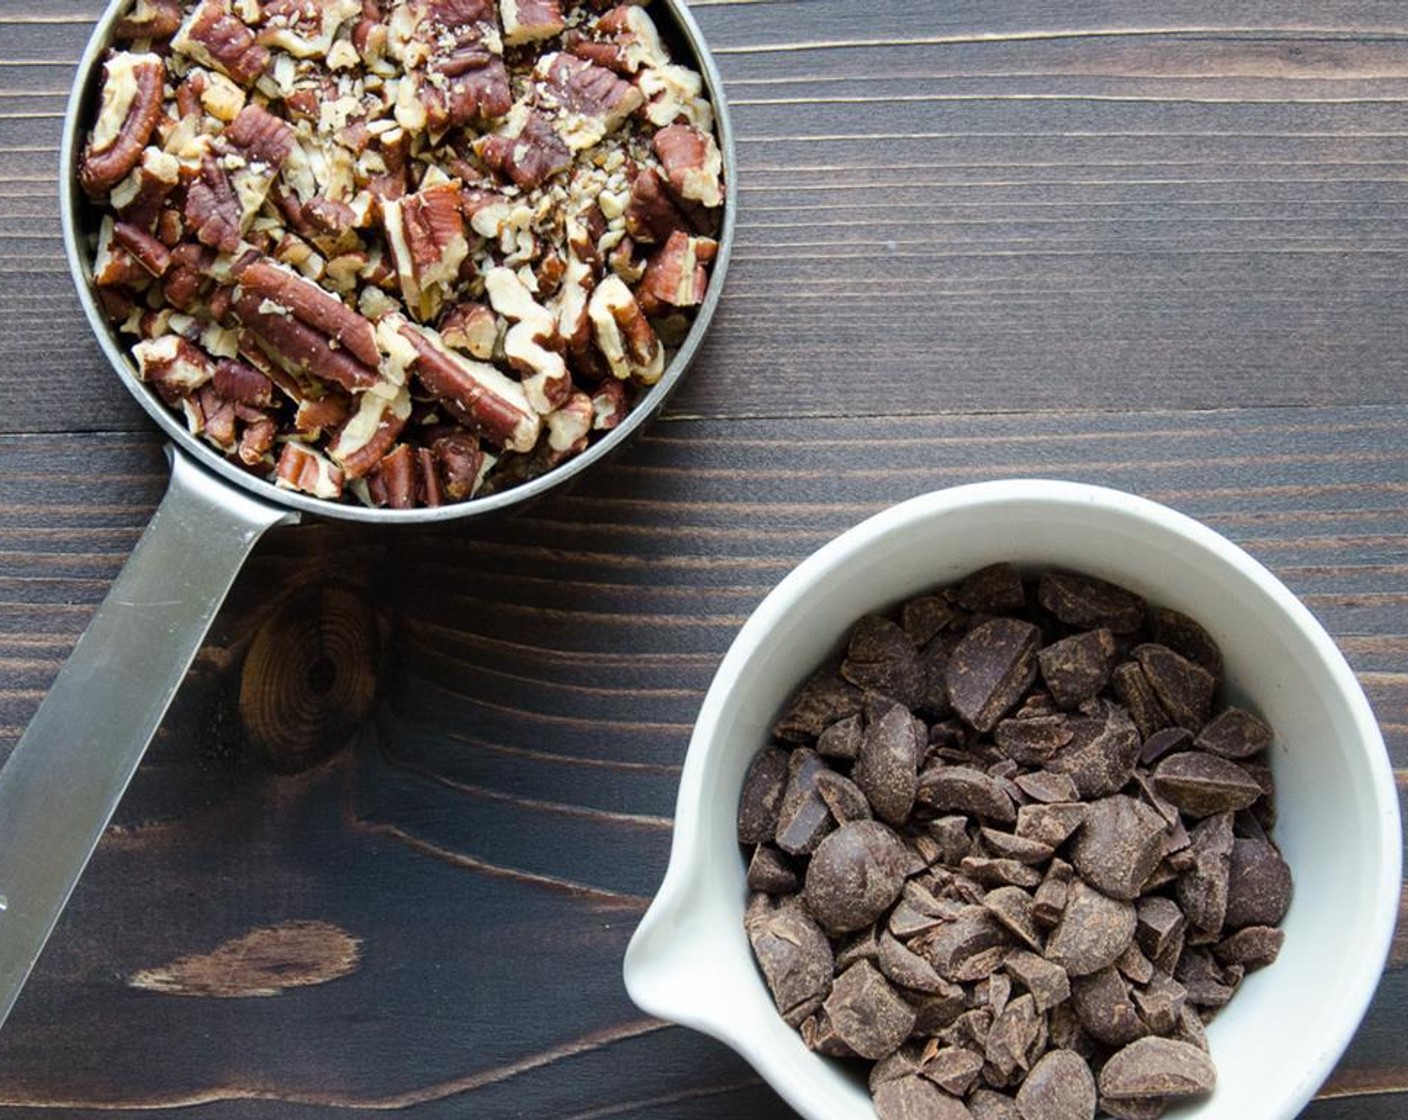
<point>675,275</point>
<point>471,327</point>
<point>527,21</point>
<point>305,28</point>
<point>176,367</point>
<point>548,382</point>
<point>214,36</point>
<point>692,163</point>
<point>302,468</point>
<point>150,253</point>
<point>149,19</point>
<point>425,232</point>
<point>527,150</point>
<point>622,333</point>
<point>591,100</point>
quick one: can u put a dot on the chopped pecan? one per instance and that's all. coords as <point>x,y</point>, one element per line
<point>259,137</point>
<point>622,333</point>
<point>672,93</point>
<point>127,113</point>
<point>527,150</point>
<point>214,36</point>
<point>392,482</point>
<point>548,381</point>
<point>257,441</point>
<point>474,392</point>
<point>527,21</point>
<point>591,100</point>
<point>370,432</point>
<point>286,291</point>
<point>305,28</point>
<point>220,97</point>
<point>150,253</point>
<point>471,327</point>
<point>315,415</point>
<point>675,275</point>
<point>113,265</point>
<point>138,199</point>
<point>426,235</point>
<point>461,463</point>
<point>692,163</point>
<point>213,209</point>
<point>149,19</point>
<point>570,425</point>
<point>609,404</point>
<point>623,39</point>
<point>653,214</point>
<point>328,215</point>
<point>457,74</point>
<point>298,347</point>
<point>173,365</point>
<point>302,468</point>
<point>243,384</point>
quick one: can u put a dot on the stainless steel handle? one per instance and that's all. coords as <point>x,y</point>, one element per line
<point>65,777</point>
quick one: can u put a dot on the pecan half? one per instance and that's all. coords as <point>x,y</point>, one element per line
<point>236,381</point>
<point>214,36</point>
<point>527,21</point>
<point>149,19</point>
<point>426,235</point>
<point>213,209</point>
<point>692,163</point>
<point>129,108</point>
<point>302,468</point>
<point>623,39</point>
<point>286,291</point>
<point>370,432</point>
<point>474,392</point>
<point>675,276</point>
<point>150,253</point>
<point>548,382</point>
<point>591,100</point>
<point>622,333</point>
<point>297,347</point>
<point>259,137</point>
<point>527,150</point>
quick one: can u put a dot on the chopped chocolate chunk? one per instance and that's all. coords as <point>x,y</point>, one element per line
<point>1077,669</point>
<point>1089,603</point>
<point>990,668</point>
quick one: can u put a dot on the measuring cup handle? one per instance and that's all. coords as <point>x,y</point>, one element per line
<point>65,777</point>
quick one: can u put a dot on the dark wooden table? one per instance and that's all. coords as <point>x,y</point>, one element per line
<point>416,791</point>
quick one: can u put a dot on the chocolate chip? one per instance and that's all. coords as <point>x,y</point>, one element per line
<point>1209,983</point>
<point>914,1098</point>
<point>1164,742</point>
<point>1202,784</point>
<point>1157,1067</point>
<point>1050,901</point>
<point>823,700</point>
<point>886,769</point>
<point>999,872</point>
<point>770,871</point>
<point>882,658</point>
<point>965,790</point>
<point>842,797</point>
<point>1013,1036</point>
<point>758,805</point>
<point>1032,740</point>
<point>1118,846</point>
<point>819,1034</point>
<point>954,1069</point>
<point>1059,1087</point>
<point>1093,931</point>
<point>1160,922</point>
<point>996,589</point>
<point>792,952</point>
<point>953,945</point>
<point>1183,635</point>
<point>1012,906</point>
<point>1234,733</point>
<point>1135,1108</point>
<point>803,818</point>
<point>990,668</point>
<point>1202,890</point>
<point>841,740</point>
<point>1088,603</point>
<point>1050,824</point>
<point>1007,845</point>
<point>1048,983</point>
<point>1259,885</point>
<point>1047,786</point>
<point>1135,692</point>
<point>1160,1002</point>
<point>906,968</point>
<point>1076,669</point>
<point>866,1013</point>
<point>1105,1009</point>
<point>925,616</point>
<point>1252,947</point>
<point>987,1104</point>
<point>1184,687</point>
<point>855,875</point>
<point>1103,750</point>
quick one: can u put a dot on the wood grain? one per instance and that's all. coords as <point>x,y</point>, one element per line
<point>1157,247</point>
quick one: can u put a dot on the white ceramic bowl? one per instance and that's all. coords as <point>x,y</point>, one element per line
<point>1278,1039</point>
